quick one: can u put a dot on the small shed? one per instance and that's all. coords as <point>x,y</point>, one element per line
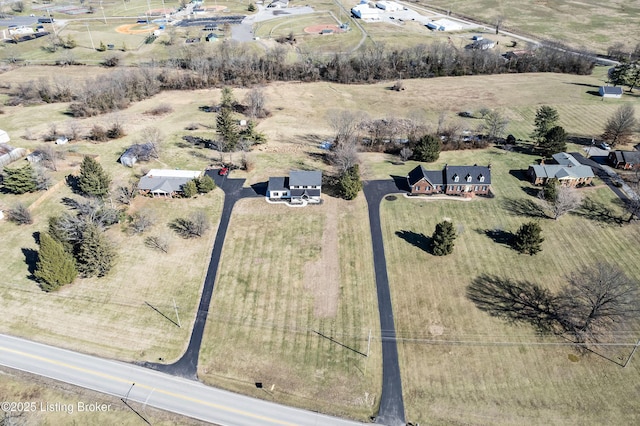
<point>4,137</point>
<point>610,92</point>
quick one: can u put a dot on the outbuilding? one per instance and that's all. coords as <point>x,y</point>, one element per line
<point>365,12</point>
<point>4,137</point>
<point>610,92</point>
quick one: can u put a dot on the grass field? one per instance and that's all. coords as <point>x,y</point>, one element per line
<point>592,24</point>
<point>286,274</point>
<point>17,386</point>
<point>461,366</point>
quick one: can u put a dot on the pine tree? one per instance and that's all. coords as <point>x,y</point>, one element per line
<point>427,149</point>
<point>529,238</point>
<point>554,141</point>
<point>95,255</point>
<point>546,118</point>
<point>93,179</point>
<point>20,180</point>
<point>55,267</point>
<point>443,238</point>
<point>227,128</point>
<point>206,184</point>
<point>189,189</point>
<point>349,183</point>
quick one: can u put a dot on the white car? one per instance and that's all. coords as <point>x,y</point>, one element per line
<point>605,145</point>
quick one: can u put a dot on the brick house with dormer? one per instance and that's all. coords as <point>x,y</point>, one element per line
<point>466,181</point>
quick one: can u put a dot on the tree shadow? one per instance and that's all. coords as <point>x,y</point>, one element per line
<point>532,191</point>
<point>596,211</point>
<point>524,207</point>
<point>515,302</point>
<point>579,140</point>
<point>420,241</point>
<point>74,183</point>
<point>30,258</point>
<point>498,236</point>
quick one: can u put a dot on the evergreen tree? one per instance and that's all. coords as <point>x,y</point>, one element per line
<point>190,189</point>
<point>554,141</point>
<point>427,149</point>
<point>529,238</point>
<point>251,8</point>
<point>227,128</point>
<point>251,135</point>
<point>95,255</point>
<point>93,179</point>
<point>549,191</point>
<point>443,238</point>
<point>55,267</point>
<point>546,118</point>
<point>349,183</point>
<point>228,101</point>
<point>20,180</point>
<point>206,184</point>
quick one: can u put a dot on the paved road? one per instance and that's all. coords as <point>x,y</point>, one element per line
<point>153,388</point>
<point>187,365</point>
<point>391,412</point>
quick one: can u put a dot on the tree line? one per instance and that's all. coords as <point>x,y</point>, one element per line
<point>230,63</point>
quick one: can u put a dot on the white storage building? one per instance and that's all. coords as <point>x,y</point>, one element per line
<point>365,12</point>
<point>388,6</point>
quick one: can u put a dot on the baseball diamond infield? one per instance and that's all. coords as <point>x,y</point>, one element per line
<point>136,28</point>
<point>318,29</point>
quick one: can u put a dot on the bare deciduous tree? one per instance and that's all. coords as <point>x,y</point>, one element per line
<point>193,226</point>
<point>406,153</point>
<point>495,124</point>
<point>142,221</point>
<point>256,101</point>
<point>42,178</point>
<point>157,242</point>
<point>620,126</point>
<point>20,214</point>
<point>125,194</point>
<point>566,199</point>
<point>49,156</point>
<point>345,124</point>
<point>597,299</point>
<point>344,156</point>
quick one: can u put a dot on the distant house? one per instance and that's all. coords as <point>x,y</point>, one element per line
<point>166,182</point>
<point>138,152</point>
<point>4,137</point>
<point>610,92</point>
<point>567,170</point>
<point>624,159</point>
<point>299,188</point>
<point>483,44</point>
<point>35,157</point>
<point>451,180</point>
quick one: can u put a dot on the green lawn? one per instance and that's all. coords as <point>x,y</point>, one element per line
<point>461,366</point>
<point>286,275</point>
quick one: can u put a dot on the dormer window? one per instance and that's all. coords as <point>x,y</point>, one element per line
<point>481,178</point>
<point>468,178</point>
<point>456,178</point>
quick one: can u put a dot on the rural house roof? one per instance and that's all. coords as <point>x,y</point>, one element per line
<point>162,181</point>
<point>561,172</point>
<point>610,90</point>
<point>278,184</point>
<point>305,178</point>
<point>434,177</point>
<point>627,157</point>
<point>565,159</point>
<point>451,175</point>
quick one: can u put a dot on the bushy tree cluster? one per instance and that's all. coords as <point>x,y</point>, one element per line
<point>55,266</point>
<point>93,180</point>
<point>528,239</point>
<point>349,183</point>
<point>20,180</point>
<point>427,148</point>
<point>443,238</point>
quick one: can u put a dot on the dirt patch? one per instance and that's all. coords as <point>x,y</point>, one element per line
<point>436,330</point>
<point>136,28</point>
<point>322,277</point>
<point>323,29</point>
<point>215,8</point>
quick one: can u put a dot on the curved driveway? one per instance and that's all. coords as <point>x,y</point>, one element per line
<point>391,412</point>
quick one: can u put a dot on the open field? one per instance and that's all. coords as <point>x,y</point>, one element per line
<point>461,366</point>
<point>25,388</point>
<point>591,24</point>
<point>286,274</point>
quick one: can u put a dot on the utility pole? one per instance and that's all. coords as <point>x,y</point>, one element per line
<point>176,309</point>
<point>90,37</point>
<point>369,344</point>
<point>635,348</point>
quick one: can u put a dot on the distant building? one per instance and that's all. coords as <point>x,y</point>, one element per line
<point>467,181</point>
<point>568,171</point>
<point>365,12</point>
<point>388,6</point>
<point>444,25</point>
<point>483,44</point>
<point>610,92</point>
<point>300,187</point>
<point>166,182</point>
<point>625,159</point>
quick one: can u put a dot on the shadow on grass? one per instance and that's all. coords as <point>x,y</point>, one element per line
<point>30,258</point>
<point>498,236</point>
<point>417,240</point>
<point>514,301</point>
<point>519,174</point>
<point>524,207</point>
<point>599,212</point>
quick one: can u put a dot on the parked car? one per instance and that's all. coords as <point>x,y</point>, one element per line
<point>223,171</point>
<point>605,145</point>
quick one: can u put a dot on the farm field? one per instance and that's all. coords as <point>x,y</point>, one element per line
<point>589,24</point>
<point>290,281</point>
<point>461,366</point>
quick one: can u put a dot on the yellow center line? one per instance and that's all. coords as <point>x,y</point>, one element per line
<point>169,393</point>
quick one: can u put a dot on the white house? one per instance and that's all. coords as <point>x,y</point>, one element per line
<point>299,188</point>
<point>365,12</point>
<point>610,92</point>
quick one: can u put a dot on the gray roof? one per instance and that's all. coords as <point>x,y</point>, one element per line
<point>278,184</point>
<point>162,184</point>
<point>434,177</point>
<point>468,174</point>
<point>559,171</point>
<point>305,178</point>
<point>610,90</point>
<point>309,192</point>
<point>627,157</point>
<point>565,159</point>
